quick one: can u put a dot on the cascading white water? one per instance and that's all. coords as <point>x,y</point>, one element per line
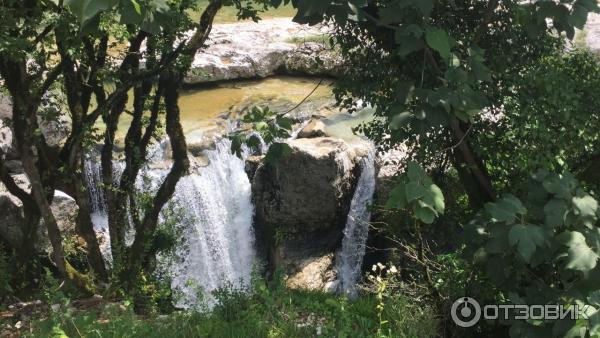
<point>99,213</point>
<point>220,244</point>
<point>350,257</point>
<point>217,209</point>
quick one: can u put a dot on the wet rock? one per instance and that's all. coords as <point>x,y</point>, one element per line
<point>302,202</point>
<point>251,165</point>
<point>315,128</point>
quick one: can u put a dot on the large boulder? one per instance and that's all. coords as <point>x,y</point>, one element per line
<point>301,202</point>
<point>246,50</point>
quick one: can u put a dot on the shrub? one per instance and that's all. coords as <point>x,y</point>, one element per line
<point>543,249</point>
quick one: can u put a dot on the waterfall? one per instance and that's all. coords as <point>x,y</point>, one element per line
<point>99,213</point>
<point>216,206</point>
<point>220,243</point>
<point>350,256</point>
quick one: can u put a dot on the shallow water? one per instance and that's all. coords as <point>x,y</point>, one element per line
<point>205,108</point>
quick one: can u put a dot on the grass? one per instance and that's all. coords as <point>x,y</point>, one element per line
<point>228,14</point>
<point>276,312</point>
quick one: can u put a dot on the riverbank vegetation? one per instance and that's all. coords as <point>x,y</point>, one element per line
<point>495,195</point>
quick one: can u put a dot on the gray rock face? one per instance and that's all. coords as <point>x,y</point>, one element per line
<point>312,58</point>
<point>7,145</point>
<point>592,32</point>
<point>12,219</point>
<point>302,202</point>
<point>55,128</point>
<point>249,50</point>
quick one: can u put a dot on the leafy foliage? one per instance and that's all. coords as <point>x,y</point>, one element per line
<point>542,249</point>
<point>419,193</point>
<point>266,129</point>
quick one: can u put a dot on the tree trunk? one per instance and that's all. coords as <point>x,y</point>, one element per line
<point>85,227</point>
<point>472,173</point>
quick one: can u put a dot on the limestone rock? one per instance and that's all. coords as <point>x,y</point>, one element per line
<point>63,207</point>
<point>313,273</point>
<point>249,50</point>
<point>592,32</point>
<point>251,165</point>
<point>315,128</point>
<point>313,58</point>
<point>302,202</point>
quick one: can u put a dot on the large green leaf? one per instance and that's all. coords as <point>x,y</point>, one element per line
<point>87,9</point>
<point>439,40</point>
<point>415,172</point>
<point>506,209</point>
<point>435,197</point>
<point>579,255</point>
<point>414,190</point>
<point>554,212</point>
<point>586,207</point>
<point>397,199</point>
<point>424,212</point>
<point>526,237</point>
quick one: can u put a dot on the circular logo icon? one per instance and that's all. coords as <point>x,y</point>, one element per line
<point>466,312</point>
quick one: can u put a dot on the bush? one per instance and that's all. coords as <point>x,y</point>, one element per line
<point>543,249</point>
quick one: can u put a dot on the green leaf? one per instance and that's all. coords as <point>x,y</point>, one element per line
<point>414,191</point>
<point>284,122</point>
<point>277,151</point>
<point>87,9</point>
<point>506,209</point>
<point>253,142</point>
<point>439,40</point>
<point>554,212</point>
<point>586,207</point>
<point>579,255</point>
<point>424,213</point>
<point>415,172</point>
<point>136,7</point>
<point>397,199</point>
<point>526,237</point>
<point>435,197</point>
<point>409,44</point>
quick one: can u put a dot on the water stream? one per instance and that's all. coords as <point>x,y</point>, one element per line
<point>350,256</point>
<point>220,243</point>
